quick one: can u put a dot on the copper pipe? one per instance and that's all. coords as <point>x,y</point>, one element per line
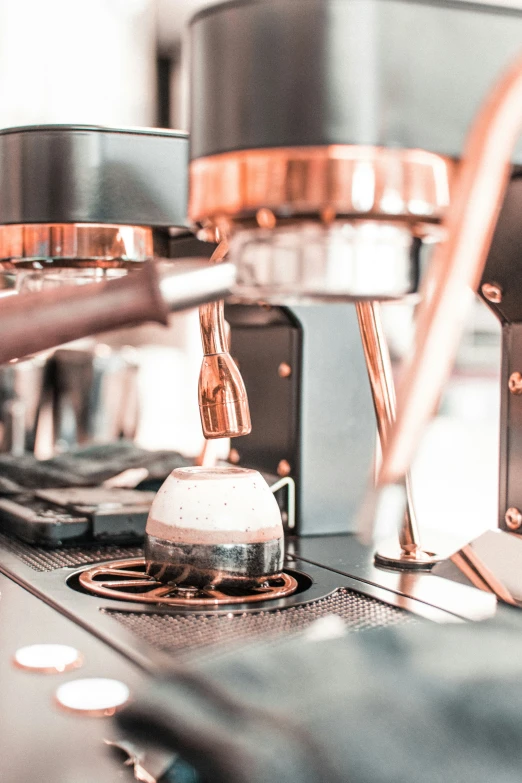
<point>212,324</point>
<point>208,456</point>
<point>380,375</point>
<point>223,402</point>
<point>456,268</point>
<point>378,365</point>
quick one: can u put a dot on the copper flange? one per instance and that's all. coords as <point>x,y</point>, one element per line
<point>84,245</point>
<point>329,181</point>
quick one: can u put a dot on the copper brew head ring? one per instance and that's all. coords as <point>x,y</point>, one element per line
<point>99,580</point>
<point>347,182</point>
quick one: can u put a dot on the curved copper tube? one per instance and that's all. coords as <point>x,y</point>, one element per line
<point>455,269</point>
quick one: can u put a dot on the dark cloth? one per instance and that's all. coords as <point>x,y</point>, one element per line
<point>181,772</point>
<point>405,704</point>
<point>86,467</point>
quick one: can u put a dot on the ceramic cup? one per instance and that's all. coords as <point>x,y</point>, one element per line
<point>214,526</point>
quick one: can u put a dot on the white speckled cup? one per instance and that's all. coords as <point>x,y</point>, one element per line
<point>214,526</point>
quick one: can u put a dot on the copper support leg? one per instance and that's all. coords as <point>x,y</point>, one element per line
<point>407,551</point>
<point>456,268</point>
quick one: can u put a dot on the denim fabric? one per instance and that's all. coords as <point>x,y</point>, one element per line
<point>181,772</point>
<point>425,704</point>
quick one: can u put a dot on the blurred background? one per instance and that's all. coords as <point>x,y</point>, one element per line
<point>105,62</point>
<point>123,63</point>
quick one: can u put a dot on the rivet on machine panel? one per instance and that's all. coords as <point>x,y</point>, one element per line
<point>284,370</point>
<point>515,383</point>
<point>284,469</point>
<point>265,218</point>
<point>513,518</point>
<point>492,292</point>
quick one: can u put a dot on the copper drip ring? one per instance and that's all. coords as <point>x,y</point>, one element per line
<point>118,578</point>
<point>84,245</point>
<point>328,182</point>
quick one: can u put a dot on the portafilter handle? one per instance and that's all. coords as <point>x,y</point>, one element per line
<point>35,322</point>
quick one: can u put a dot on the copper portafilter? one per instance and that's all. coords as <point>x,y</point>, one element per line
<point>38,321</point>
<point>108,202</point>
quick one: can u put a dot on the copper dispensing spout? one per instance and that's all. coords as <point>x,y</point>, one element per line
<point>455,270</point>
<point>39,321</point>
<point>223,401</point>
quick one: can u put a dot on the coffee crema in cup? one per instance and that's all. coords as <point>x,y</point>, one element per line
<point>214,526</point>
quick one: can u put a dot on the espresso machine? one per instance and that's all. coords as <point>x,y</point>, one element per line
<point>321,174</point>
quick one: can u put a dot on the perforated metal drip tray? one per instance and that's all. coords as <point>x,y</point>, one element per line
<point>175,623</point>
<point>146,632</point>
<point>208,633</point>
<point>42,560</point>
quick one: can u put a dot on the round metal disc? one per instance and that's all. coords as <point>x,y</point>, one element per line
<point>126,580</point>
<point>95,697</point>
<point>48,658</point>
<point>435,548</point>
<point>392,556</point>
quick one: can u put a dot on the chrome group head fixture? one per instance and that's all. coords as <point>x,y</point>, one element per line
<point>330,223</point>
<point>103,198</point>
<point>314,202</point>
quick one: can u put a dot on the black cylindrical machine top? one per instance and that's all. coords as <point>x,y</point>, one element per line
<point>390,73</point>
<point>56,174</point>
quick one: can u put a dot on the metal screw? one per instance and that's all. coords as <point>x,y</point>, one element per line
<point>206,235</point>
<point>284,370</point>
<point>492,292</point>
<point>265,218</point>
<point>233,456</point>
<point>328,215</point>
<point>515,383</point>
<point>513,518</point>
<point>284,469</point>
